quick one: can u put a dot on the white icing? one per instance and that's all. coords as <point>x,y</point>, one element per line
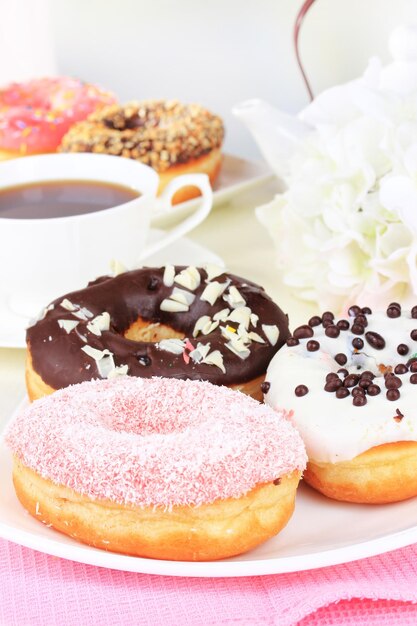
<point>334,429</point>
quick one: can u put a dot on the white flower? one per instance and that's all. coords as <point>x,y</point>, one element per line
<point>346,228</point>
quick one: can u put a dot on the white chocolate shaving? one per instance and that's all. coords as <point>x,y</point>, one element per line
<point>189,278</point>
<point>83,314</point>
<point>173,307</point>
<point>255,337</point>
<point>271,333</point>
<point>120,370</point>
<point>241,316</point>
<point>180,295</point>
<point>95,354</point>
<point>117,267</point>
<point>200,324</point>
<point>200,352</point>
<point>238,348</point>
<point>213,291</point>
<point>209,327</point>
<point>169,275</point>
<point>99,323</point>
<point>106,366</point>
<point>215,358</point>
<point>213,271</point>
<point>68,305</point>
<point>68,325</point>
<point>234,298</point>
<point>221,315</point>
<point>228,332</point>
<point>175,346</point>
<point>254,319</point>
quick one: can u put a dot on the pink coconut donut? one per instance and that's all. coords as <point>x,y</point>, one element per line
<point>35,115</point>
<point>157,467</point>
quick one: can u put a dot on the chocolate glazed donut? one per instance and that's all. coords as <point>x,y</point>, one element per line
<point>181,322</point>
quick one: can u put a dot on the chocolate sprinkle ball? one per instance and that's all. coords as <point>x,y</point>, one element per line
<point>365,347</point>
<point>265,387</point>
<point>301,390</point>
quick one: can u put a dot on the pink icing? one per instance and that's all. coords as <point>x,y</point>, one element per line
<point>155,442</point>
<point>35,115</point>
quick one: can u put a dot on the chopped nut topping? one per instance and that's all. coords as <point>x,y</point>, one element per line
<point>155,132</point>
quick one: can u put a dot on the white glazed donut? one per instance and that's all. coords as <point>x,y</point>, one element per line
<point>352,385</point>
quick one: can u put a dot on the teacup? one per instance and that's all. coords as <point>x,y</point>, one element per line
<point>43,258</point>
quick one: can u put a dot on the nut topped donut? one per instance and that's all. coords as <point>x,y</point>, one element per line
<point>160,468</point>
<point>170,137</point>
<point>180,322</point>
<point>352,384</point>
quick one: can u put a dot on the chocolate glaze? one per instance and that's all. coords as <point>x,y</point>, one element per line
<point>58,358</point>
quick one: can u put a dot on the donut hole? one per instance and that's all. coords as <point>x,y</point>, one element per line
<point>145,331</point>
<point>144,414</point>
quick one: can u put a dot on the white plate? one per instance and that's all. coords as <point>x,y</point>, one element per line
<point>236,175</point>
<point>181,252</point>
<point>321,532</point>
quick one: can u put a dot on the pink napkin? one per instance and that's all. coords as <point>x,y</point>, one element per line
<point>38,589</point>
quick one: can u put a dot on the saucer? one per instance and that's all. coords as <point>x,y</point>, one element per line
<point>236,175</point>
<point>181,252</point>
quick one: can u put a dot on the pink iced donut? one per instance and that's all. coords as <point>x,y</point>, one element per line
<point>157,467</point>
<point>34,116</point>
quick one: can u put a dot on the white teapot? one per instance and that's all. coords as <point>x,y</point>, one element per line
<point>279,134</point>
<point>346,227</point>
